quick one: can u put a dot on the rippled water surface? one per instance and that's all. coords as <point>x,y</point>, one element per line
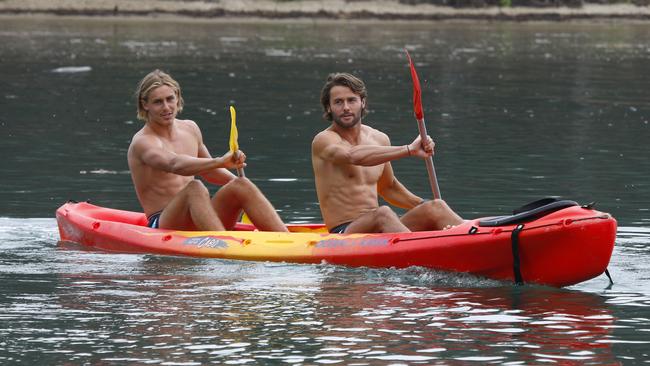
<point>66,304</point>
<point>518,111</point>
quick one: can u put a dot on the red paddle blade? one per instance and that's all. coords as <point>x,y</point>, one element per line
<point>417,92</point>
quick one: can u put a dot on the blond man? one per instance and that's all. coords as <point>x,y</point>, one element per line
<point>167,154</point>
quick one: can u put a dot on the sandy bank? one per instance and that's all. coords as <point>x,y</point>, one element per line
<point>322,9</point>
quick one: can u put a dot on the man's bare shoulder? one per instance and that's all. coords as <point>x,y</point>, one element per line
<point>143,136</point>
<point>327,134</point>
<point>142,141</point>
<point>324,138</point>
<point>375,135</point>
<point>187,123</point>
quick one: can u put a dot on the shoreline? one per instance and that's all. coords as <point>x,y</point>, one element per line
<point>384,10</point>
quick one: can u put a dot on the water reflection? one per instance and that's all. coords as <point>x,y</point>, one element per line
<point>518,111</point>
<point>480,324</point>
<point>93,307</point>
<point>195,311</point>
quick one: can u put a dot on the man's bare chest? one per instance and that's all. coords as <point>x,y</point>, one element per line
<point>363,174</point>
<point>182,145</point>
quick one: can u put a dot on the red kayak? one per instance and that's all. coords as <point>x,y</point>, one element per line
<point>557,243</point>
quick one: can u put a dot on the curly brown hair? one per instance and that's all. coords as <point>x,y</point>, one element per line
<point>342,79</point>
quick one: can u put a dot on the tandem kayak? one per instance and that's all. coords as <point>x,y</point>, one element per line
<point>550,242</point>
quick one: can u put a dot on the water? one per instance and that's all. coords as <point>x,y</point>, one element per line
<point>518,111</point>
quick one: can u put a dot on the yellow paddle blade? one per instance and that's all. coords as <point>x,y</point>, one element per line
<point>234,146</point>
<point>245,219</point>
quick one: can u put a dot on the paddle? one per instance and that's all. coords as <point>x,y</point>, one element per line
<point>234,145</point>
<point>419,116</point>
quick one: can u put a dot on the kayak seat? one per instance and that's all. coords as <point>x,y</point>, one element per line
<point>529,212</point>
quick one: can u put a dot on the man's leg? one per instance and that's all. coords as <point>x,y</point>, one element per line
<point>431,215</point>
<point>381,220</point>
<point>239,194</point>
<point>190,209</point>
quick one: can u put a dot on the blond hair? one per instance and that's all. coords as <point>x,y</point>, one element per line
<point>153,80</point>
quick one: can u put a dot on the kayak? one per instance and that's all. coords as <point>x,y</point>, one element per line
<point>549,242</point>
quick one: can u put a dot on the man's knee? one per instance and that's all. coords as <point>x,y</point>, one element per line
<point>197,188</point>
<point>386,214</point>
<point>436,205</point>
<point>241,184</point>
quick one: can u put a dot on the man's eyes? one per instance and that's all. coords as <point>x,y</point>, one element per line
<point>159,101</point>
<point>350,101</point>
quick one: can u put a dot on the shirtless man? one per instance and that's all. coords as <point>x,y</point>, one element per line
<point>166,155</point>
<point>352,167</point>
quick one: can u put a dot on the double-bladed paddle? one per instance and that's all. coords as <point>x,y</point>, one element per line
<point>419,116</point>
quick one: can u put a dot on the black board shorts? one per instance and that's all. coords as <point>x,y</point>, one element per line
<point>340,229</point>
<point>153,221</point>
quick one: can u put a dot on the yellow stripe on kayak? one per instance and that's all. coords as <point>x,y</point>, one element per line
<point>259,245</point>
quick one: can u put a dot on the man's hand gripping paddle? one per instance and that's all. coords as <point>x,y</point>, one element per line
<point>419,116</point>
<point>234,145</point>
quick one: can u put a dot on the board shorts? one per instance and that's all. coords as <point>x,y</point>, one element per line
<point>341,228</point>
<point>153,221</point>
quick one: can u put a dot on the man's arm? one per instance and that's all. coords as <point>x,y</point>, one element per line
<point>219,176</point>
<point>150,152</point>
<point>394,192</point>
<point>329,146</point>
